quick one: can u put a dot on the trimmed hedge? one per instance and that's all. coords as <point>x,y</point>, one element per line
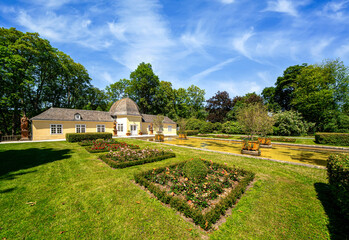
<point>114,164</point>
<point>206,220</point>
<point>192,132</point>
<point>339,139</point>
<point>282,139</point>
<point>88,148</point>
<point>78,137</point>
<point>338,176</point>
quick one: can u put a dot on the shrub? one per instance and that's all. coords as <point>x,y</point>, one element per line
<point>195,170</point>
<point>192,132</point>
<point>341,139</point>
<point>291,123</point>
<point>338,176</point>
<point>231,127</point>
<point>78,137</point>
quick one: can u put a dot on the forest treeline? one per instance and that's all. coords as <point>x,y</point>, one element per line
<point>35,76</point>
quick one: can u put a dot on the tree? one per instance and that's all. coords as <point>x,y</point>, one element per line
<point>143,87</point>
<point>196,98</point>
<point>254,119</point>
<point>117,90</point>
<point>313,97</point>
<point>286,85</point>
<point>218,106</point>
<point>158,123</point>
<point>164,101</point>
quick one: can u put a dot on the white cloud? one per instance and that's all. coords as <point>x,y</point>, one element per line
<point>108,78</point>
<point>317,49</point>
<point>212,69</point>
<point>239,43</point>
<point>227,1</point>
<point>143,31</point>
<point>64,28</point>
<point>282,6</point>
<point>195,41</point>
<point>335,10</point>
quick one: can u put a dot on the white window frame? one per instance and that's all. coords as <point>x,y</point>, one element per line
<point>169,128</point>
<point>80,127</point>
<point>55,128</point>
<point>100,128</point>
<point>120,127</point>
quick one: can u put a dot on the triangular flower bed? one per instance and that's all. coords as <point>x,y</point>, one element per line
<point>203,200</point>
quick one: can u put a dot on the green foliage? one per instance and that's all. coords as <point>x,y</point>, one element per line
<point>291,123</point>
<point>158,123</point>
<point>192,132</point>
<point>231,127</point>
<point>338,176</point>
<point>78,137</point>
<point>339,139</point>
<point>201,125</point>
<point>195,169</point>
<point>182,123</point>
<point>254,119</point>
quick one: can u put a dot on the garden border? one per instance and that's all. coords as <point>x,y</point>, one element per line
<point>114,164</point>
<point>205,221</point>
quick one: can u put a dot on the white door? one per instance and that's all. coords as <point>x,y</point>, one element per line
<point>133,129</point>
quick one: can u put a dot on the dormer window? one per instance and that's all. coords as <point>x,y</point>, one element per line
<point>77,116</point>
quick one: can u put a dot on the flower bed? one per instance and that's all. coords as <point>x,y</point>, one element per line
<point>204,201</point>
<point>127,157</point>
<point>92,142</point>
<point>106,147</point>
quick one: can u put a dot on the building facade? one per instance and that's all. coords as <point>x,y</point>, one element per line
<point>54,123</point>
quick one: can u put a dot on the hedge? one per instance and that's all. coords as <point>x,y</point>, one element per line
<point>78,137</point>
<point>341,139</point>
<point>338,176</point>
<point>114,164</point>
<point>206,220</point>
<point>192,132</point>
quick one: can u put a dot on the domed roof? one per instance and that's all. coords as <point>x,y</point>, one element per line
<point>125,106</point>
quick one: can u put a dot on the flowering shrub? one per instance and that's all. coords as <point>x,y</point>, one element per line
<point>127,154</point>
<point>92,142</point>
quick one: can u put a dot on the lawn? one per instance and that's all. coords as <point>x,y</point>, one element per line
<point>59,190</point>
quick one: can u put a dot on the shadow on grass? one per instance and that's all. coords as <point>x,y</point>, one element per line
<point>338,226</point>
<point>14,160</point>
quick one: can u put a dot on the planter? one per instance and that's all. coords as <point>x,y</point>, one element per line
<point>128,134</point>
<point>182,136</point>
<point>250,145</point>
<point>151,132</point>
<point>255,153</point>
<point>264,141</point>
<point>159,137</point>
<point>140,133</point>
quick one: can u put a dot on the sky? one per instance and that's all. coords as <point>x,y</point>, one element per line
<point>238,46</point>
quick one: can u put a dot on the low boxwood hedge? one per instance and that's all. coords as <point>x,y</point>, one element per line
<point>78,137</point>
<point>203,220</point>
<point>338,177</point>
<point>114,164</point>
<point>192,132</point>
<point>339,139</point>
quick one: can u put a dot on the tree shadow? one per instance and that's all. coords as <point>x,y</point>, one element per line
<point>15,160</point>
<point>338,226</point>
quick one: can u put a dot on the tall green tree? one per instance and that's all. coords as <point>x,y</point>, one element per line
<point>117,90</point>
<point>143,87</point>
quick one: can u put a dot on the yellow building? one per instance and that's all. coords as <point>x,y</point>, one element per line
<point>54,123</point>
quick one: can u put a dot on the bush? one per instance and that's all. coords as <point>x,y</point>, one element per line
<point>78,137</point>
<point>231,127</point>
<point>192,132</point>
<point>195,170</point>
<point>291,123</point>
<point>338,176</point>
<point>339,139</point>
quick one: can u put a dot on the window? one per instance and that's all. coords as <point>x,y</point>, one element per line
<point>56,128</point>
<point>120,127</point>
<point>77,116</point>
<point>100,128</point>
<point>80,128</point>
<point>169,128</point>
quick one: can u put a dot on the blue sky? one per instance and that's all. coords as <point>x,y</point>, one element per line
<point>237,46</point>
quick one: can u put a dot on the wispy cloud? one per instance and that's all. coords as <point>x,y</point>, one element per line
<point>212,69</point>
<point>282,6</point>
<point>227,1</point>
<point>336,10</point>
<point>239,43</point>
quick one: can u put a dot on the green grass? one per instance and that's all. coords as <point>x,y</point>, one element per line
<point>79,197</point>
